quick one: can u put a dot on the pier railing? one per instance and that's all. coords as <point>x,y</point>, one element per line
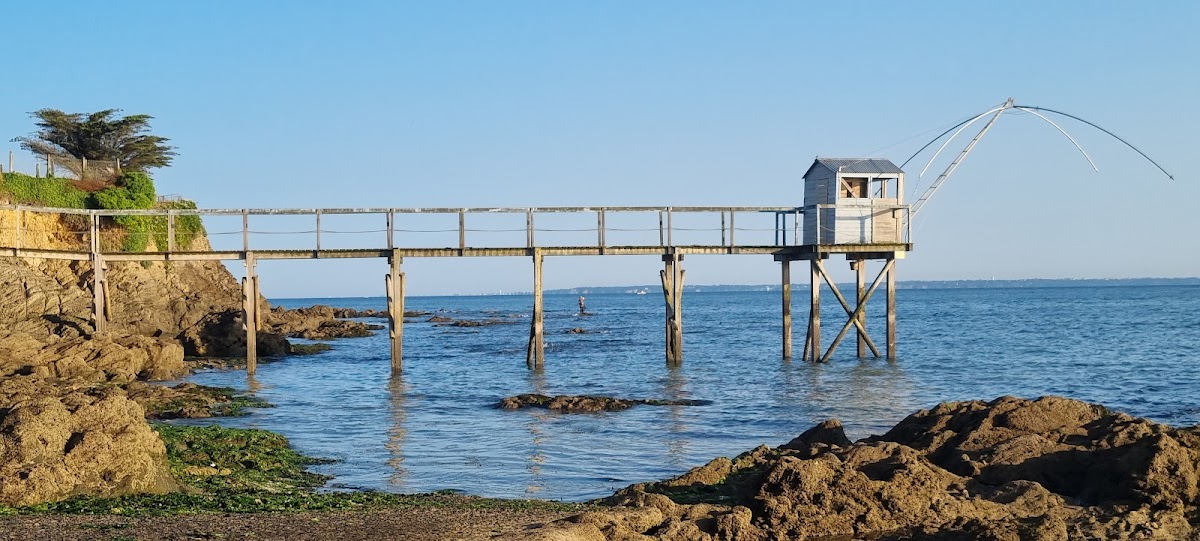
<point>365,232</point>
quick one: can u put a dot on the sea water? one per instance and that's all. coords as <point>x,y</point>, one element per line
<point>1134,349</point>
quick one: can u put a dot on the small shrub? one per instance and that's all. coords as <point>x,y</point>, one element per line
<point>132,191</point>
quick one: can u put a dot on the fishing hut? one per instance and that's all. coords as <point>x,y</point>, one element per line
<point>853,207</point>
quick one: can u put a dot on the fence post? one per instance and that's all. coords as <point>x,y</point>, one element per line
<point>170,231</point>
<point>462,231</point>
<point>600,229</point>
<point>391,228</point>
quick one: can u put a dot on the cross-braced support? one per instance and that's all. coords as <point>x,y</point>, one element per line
<point>672,283</point>
<point>856,315</point>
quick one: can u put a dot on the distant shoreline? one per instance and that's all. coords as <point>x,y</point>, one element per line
<point>1026,283</point>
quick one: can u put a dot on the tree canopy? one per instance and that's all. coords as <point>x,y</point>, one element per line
<point>99,136</point>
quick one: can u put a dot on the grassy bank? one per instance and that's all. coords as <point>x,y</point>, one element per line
<point>129,191</point>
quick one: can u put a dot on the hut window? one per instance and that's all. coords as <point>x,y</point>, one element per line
<point>854,188</point>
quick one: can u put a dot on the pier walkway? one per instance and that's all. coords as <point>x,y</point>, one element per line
<point>252,235</point>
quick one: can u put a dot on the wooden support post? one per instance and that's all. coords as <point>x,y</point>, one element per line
<point>670,242</point>
<point>860,279</point>
<point>722,228</point>
<point>535,355</point>
<point>99,281</point>
<point>100,295</point>
<point>814,310</point>
<point>787,308</point>
<point>732,228</point>
<point>796,241</point>
<point>391,230</point>
<point>600,230</point>
<point>891,308</point>
<point>462,232</point>
<point>170,247</point>
<point>672,283</point>
<point>529,229</point>
<point>318,230</point>
<point>395,305</point>
<point>250,313</point>
<point>661,239</point>
<point>245,230</point>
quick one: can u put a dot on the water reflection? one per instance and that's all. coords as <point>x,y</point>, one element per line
<point>537,457</point>
<point>397,408</point>
<point>252,384</point>
<point>867,395</point>
<point>675,389</point>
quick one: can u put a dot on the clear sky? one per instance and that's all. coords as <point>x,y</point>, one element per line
<point>553,103</point>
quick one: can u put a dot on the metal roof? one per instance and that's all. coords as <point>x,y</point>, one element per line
<point>866,166</point>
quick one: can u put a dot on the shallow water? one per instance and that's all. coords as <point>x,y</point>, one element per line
<point>1130,348</point>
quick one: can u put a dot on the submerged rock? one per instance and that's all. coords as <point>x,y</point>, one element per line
<point>584,404</point>
<point>1009,469</point>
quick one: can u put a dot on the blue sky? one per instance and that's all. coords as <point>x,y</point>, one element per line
<point>479,104</point>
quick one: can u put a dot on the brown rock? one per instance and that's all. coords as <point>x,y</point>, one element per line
<point>818,438</point>
<point>100,445</point>
<point>1009,469</point>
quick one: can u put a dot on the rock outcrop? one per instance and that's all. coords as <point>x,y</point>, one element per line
<point>1009,469</point>
<point>584,404</point>
<point>317,322</point>
<point>93,443</point>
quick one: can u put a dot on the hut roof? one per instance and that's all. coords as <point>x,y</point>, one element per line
<point>866,166</point>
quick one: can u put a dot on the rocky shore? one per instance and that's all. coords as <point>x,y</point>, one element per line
<point>1009,469</point>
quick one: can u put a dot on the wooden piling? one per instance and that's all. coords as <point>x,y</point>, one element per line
<point>672,282</point>
<point>786,271</point>
<point>394,281</point>
<point>860,279</point>
<point>250,314</point>
<point>814,311</point>
<point>891,308</point>
<point>99,281</point>
<point>535,355</point>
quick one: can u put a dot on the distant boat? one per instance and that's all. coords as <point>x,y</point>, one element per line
<point>641,292</point>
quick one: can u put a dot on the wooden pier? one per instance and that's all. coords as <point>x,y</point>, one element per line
<point>669,232</point>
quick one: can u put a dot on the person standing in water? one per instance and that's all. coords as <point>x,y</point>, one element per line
<point>582,307</point>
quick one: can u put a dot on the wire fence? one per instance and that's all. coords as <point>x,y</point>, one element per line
<point>33,228</point>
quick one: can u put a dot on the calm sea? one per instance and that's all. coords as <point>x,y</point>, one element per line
<point>1135,349</point>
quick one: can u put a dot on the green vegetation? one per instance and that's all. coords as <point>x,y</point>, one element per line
<point>49,192</point>
<point>229,470</point>
<point>204,401</point>
<point>130,191</point>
